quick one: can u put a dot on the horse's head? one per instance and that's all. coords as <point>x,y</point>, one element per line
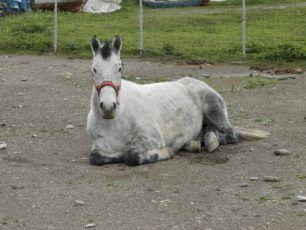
<point>107,71</point>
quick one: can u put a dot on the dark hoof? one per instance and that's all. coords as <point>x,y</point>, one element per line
<point>135,159</point>
<point>95,158</point>
<point>232,137</point>
<point>132,159</point>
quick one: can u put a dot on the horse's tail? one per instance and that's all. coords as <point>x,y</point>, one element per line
<point>251,134</point>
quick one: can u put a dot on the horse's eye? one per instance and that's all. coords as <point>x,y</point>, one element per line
<point>120,69</point>
<point>95,71</point>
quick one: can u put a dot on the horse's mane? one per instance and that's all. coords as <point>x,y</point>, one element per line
<point>106,50</point>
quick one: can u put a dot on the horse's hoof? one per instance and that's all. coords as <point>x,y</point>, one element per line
<point>193,146</point>
<point>211,142</point>
<point>135,159</point>
<point>95,158</point>
<point>132,159</point>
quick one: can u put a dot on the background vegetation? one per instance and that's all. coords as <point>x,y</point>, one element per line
<point>212,33</point>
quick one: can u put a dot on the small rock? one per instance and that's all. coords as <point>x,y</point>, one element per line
<point>281,152</point>
<point>17,187</point>
<point>2,124</point>
<point>65,99</point>
<point>90,225</point>
<point>301,198</point>
<point>253,178</point>
<point>34,135</point>
<point>271,178</point>
<point>251,149</point>
<point>299,71</point>
<point>19,94</point>
<point>69,127</point>
<point>243,185</point>
<point>138,78</point>
<point>79,202</point>
<point>3,145</point>
<point>24,79</point>
<point>3,80</point>
<point>206,75</point>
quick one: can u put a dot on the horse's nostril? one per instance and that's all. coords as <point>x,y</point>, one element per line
<point>115,105</point>
<point>101,105</point>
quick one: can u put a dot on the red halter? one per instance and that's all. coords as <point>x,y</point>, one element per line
<point>111,84</point>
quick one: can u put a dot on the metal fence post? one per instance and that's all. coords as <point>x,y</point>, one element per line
<point>55,27</point>
<point>243,29</point>
<point>140,28</point>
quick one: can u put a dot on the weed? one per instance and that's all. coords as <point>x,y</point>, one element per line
<point>264,199</point>
<point>285,52</point>
<point>258,82</point>
<point>242,197</point>
<point>301,177</point>
<point>168,49</point>
<point>288,196</point>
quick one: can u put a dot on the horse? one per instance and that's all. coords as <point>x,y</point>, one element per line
<point>139,124</point>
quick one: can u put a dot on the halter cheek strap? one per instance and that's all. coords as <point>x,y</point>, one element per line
<point>111,84</point>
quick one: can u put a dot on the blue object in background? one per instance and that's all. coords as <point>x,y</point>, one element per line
<point>14,6</point>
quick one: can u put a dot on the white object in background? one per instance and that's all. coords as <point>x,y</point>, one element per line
<point>101,6</point>
<point>3,145</point>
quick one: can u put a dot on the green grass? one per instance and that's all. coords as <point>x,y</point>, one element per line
<point>274,36</point>
<point>301,177</point>
<point>264,199</point>
<point>258,82</point>
<point>251,2</point>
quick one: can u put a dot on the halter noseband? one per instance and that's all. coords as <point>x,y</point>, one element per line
<point>111,84</point>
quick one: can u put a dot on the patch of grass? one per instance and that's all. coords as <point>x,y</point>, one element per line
<point>284,187</point>
<point>169,49</point>
<point>274,35</point>
<point>266,121</point>
<point>258,82</point>
<point>288,196</point>
<point>301,177</point>
<point>242,198</point>
<point>253,2</point>
<point>264,199</point>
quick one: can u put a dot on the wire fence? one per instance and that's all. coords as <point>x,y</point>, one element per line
<point>273,31</point>
<point>231,30</point>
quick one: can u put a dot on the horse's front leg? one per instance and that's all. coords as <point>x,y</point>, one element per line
<point>97,158</point>
<point>145,150</point>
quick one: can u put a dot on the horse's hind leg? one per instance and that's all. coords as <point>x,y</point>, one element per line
<point>193,146</point>
<point>211,140</point>
<point>215,115</point>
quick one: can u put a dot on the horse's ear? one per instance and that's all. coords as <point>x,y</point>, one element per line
<point>117,43</point>
<point>95,44</point>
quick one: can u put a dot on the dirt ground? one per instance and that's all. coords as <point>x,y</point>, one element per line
<point>44,170</point>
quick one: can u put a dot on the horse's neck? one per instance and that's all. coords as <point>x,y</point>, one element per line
<point>94,102</point>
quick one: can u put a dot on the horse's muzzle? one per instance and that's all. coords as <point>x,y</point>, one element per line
<point>108,111</point>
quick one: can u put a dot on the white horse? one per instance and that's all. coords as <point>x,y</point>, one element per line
<point>139,124</point>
